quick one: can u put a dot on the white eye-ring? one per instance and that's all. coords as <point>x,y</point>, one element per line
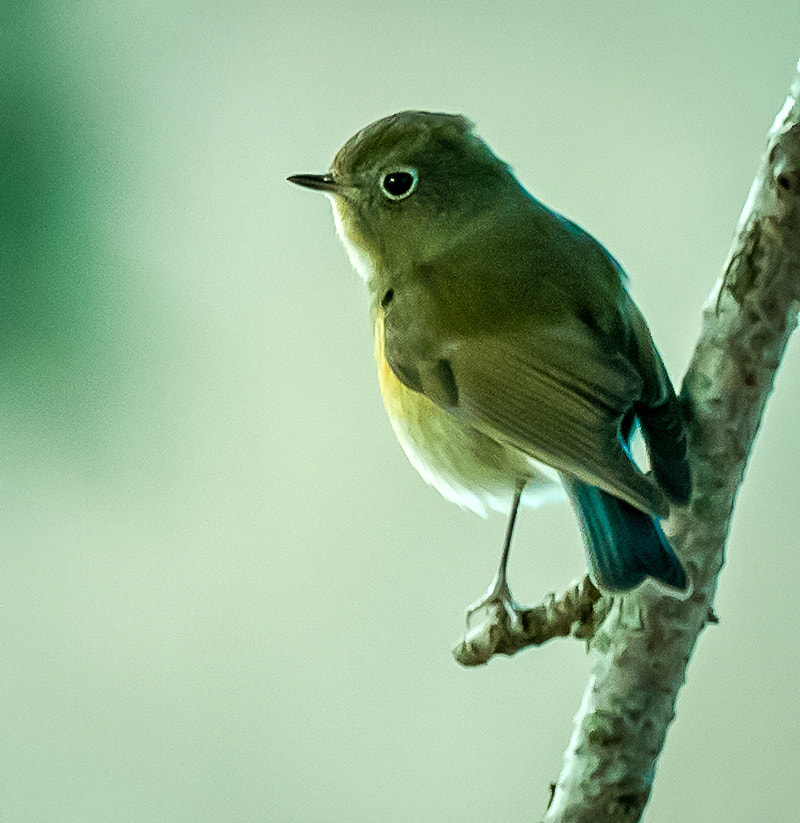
<point>399,183</point>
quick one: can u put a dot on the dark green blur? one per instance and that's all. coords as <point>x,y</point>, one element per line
<point>51,261</point>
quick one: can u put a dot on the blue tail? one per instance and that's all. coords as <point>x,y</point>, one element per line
<point>623,545</point>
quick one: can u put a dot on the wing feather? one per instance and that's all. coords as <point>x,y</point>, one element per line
<point>556,396</point>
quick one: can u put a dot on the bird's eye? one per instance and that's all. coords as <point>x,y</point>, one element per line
<point>399,183</point>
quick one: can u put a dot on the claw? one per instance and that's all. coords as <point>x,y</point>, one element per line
<point>498,597</point>
<point>498,594</point>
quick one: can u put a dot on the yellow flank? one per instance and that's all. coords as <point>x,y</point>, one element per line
<point>463,464</point>
<point>403,404</point>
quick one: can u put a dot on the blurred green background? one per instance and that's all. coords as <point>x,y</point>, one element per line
<point>224,595</point>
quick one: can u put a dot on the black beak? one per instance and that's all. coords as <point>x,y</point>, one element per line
<point>319,182</point>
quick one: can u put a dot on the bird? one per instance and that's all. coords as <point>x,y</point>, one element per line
<point>513,363</point>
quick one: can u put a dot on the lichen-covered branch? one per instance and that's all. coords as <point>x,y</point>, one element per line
<point>577,613</point>
<point>643,646</point>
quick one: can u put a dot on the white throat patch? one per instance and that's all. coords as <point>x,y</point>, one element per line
<point>361,262</point>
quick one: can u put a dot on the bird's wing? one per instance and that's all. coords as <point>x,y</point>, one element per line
<point>552,392</point>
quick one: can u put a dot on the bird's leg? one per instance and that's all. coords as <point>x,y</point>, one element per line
<point>498,593</point>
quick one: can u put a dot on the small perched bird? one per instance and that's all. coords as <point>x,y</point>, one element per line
<point>512,361</point>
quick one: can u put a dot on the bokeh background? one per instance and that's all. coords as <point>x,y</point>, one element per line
<point>224,595</point>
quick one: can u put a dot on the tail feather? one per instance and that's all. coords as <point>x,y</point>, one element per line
<point>623,544</point>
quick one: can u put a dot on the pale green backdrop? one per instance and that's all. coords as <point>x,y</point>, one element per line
<point>224,595</point>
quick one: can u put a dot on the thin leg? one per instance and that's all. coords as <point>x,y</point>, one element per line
<point>499,592</point>
<point>512,519</point>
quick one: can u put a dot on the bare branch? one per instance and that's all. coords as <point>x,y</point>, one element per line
<point>643,648</point>
<point>577,612</point>
<point>643,642</point>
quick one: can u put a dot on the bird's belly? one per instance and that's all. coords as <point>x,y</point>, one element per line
<point>466,466</point>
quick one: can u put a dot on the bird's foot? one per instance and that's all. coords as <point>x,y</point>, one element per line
<point>493,624</point>
<point>498,605</point>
